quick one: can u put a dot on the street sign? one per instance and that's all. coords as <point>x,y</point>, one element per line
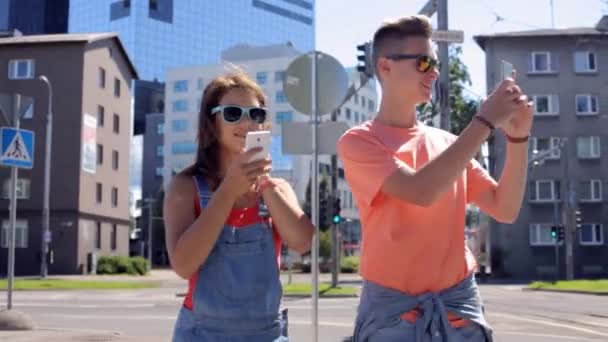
<point>332,83</point>
<point>17,148</point>
<point>452,36</point>
<point>296,137</point>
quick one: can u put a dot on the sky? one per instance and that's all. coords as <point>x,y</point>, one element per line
<point>344,24</point>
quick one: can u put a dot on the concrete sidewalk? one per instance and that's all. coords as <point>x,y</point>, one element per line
<point>63,335</point>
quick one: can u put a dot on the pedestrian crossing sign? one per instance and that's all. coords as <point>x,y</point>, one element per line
<point>17,148</point>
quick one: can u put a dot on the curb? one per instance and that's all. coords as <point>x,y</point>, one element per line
<point>567,291</point>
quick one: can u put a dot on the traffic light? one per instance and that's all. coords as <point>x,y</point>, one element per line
<point>337,218</point>
<point>554,232</point>
<point>561,233</point>
<point>364,56</point>
<point>323,214</point>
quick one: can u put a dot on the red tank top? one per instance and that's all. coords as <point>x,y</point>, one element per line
<point>238,218</point>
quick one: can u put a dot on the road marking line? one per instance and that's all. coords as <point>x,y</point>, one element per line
<point>549,323</point>
<point>577,338</point>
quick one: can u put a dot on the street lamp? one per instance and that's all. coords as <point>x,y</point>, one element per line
<point>46,233</point>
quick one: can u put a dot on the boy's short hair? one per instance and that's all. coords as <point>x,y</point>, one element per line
<point>399,30</point>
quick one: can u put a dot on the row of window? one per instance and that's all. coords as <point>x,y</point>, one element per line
<point>99,195</point>
<point>589,234</point>
<point>543,62</point>
<point>101,81</point>
<point>182,86</point>
<point>24,192</point>
<point>549,190</point>
<point>584,104</point>
<point>587,147</point>
<point>101,119</point>
<point>100,157</point>
<point>22,231</point>
<point>352,115</point>
<point>261,77</point>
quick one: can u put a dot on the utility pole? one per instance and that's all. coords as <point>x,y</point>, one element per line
<point>569,204</point>
<point>444,77</point>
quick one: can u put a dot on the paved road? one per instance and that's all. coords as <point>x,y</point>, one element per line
<point>148,315</point>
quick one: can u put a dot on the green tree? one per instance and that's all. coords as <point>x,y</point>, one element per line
<point>462,107</point>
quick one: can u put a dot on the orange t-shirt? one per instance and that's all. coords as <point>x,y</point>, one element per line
<point>407,247</point>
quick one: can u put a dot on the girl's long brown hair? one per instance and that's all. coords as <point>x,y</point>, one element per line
<point>207,162</point>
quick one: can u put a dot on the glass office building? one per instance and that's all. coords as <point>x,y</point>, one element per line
<point>162,34</point>
<point>34,16</point>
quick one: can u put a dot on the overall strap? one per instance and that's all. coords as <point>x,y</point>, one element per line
<point>203,190</point>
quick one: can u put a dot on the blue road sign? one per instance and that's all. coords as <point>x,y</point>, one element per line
<point>17,148</point>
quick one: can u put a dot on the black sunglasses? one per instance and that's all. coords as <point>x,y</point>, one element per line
<point>424,63</point>
<point>234,114</point>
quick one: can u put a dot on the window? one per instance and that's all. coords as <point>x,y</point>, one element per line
<point>114,197</point>
<point>371,105</point>
<point>153,7</point>
<point>20,69</point>
<point>126,3</point>
<point>356,117</point>
<point>584,61</point>
<point>98,193</point>
<point>590,190</point>
<point>363,101</point>
<point>347,113</point>
<point>261,77</point>
<point>588,147</point>
<point>101,113</point>
<point>591,234</point>
<point>286,116</point>
<point>115,160</point>
<point>180,105</point>
<point>99,154</point>
<point>183,147</point>
<point>279,76</point>
<point>160,128</point>
<point>180,86</point>
<point>23,188</point>
<point>586,104</point>
<point>101,78</point>
<point>113,237</point>
<point>98,235</point>
<point>280,97</point>
<point>116,123</point>
<point>546,104</point>
<point>179,125</point>
<point>21,233</point>
<point>116,87</point>
<point>29,112</point>
<point>200,84</point>
<point>159,172</point>
<point>540,234</point>
<point>160,150</point>
<point>544,191</point>
<point>541,62</point>
<point>540,145</point>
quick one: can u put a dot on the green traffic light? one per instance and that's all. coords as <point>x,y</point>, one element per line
<point>337,219</point>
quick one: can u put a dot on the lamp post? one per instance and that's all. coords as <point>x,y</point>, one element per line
<point>46,233</point>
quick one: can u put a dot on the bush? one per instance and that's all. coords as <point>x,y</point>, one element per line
<point>122,265</point>
<point>349,264</point>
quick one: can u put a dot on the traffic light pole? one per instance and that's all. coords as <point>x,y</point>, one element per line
<point>335,252</point>
<point>555,239</point>
<point>444,76</point>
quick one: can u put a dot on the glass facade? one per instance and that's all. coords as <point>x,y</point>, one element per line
<point>162,34</point>
<point>34,16</point>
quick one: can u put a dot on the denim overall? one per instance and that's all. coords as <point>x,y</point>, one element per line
<point>237,296</point>
<point>380,310</point>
